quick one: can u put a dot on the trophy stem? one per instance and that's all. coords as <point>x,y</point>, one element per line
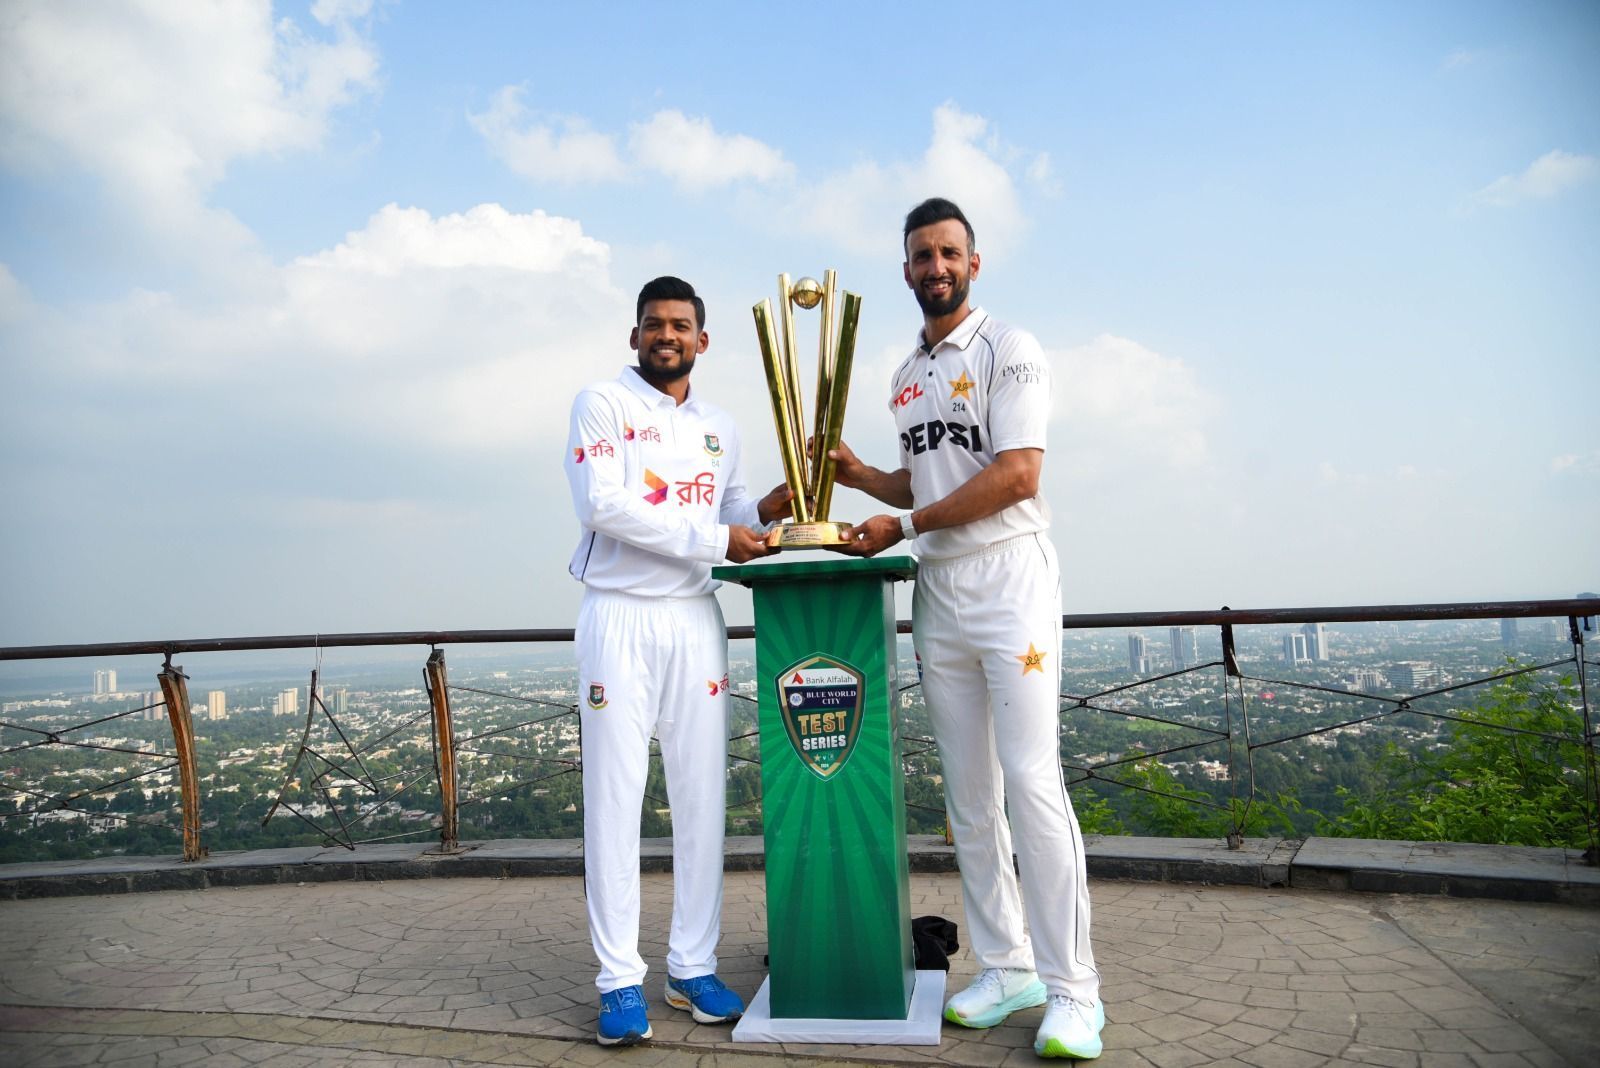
<point>778,390</point>
<point>838,395</point>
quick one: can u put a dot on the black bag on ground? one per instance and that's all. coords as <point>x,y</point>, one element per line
<point>933,939</point>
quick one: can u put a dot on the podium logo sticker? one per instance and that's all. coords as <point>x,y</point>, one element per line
<point>820,701</point>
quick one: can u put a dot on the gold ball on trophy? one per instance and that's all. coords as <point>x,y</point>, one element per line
<point>807,293</point>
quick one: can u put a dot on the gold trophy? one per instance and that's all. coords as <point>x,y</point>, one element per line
<point>809,472</point>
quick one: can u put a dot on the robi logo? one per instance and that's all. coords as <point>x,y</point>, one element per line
<point>907,395</point>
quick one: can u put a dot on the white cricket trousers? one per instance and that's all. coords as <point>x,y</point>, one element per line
<point>987,627</point>
<point>661,665</point>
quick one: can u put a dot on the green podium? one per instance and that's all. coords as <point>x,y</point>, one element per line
<point>838,886</point>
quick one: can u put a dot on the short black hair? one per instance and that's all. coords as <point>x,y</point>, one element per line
<point>936,210</point>
<point>668,287</point>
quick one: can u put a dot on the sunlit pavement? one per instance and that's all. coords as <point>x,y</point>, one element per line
<point>498,971</point>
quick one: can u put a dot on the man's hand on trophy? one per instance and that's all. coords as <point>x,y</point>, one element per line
<point>871,537</point>
<point>848,470</point>
<point>775,505</point>
<point>745,545</point>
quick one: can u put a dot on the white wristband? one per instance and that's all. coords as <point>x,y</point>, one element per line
<point>907,530</point>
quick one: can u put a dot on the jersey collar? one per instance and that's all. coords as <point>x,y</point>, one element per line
<point>650,395</point>
<point>960,337</point>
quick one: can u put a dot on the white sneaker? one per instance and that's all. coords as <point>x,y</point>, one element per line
<point>995,994</point>
<point>1070,1029</point>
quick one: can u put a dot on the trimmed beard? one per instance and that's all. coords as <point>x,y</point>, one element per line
<point>935,309</point>
<point>660,378</point>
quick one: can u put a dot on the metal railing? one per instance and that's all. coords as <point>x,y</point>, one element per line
<point>317,769</point>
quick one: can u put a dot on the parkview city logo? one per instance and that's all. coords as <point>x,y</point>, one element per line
<point>819,699</point>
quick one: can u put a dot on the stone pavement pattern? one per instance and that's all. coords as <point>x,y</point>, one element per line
<point>478,971</point>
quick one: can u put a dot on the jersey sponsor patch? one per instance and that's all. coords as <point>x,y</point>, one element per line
<point>658,487</point>
<point>597,695</point>
<point>717,686</point>
<point>927,437</point>
<point>577,456</point>
<point>701,490</point>
<point>1032,660</point>
<point>601,448</point>
<point>907,395</point>
<point>819,699</point>
<point>1025,371</point>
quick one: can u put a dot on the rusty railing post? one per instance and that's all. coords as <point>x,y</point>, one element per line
<point>1591,856</point>
<point>175,690</point>
<point>444,750</point>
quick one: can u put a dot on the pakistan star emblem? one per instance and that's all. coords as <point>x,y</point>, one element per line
<point>1032,660</point>
<point>961,388</point>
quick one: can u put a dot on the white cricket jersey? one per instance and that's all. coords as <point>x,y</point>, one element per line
<point>655,484</point>
<point>980,391</point>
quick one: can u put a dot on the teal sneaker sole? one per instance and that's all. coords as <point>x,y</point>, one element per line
<point>1031,997</point>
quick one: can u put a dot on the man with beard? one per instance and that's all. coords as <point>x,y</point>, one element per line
<point>971,404</point>
<point>654,472</point>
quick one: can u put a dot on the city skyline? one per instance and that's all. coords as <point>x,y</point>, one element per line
<point>292,308</point>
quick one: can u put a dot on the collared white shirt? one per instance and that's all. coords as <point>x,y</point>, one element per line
<point>655,484</point>
<point>982,390</point>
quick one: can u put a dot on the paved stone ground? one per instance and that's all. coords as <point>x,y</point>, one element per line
<point>481,971</point>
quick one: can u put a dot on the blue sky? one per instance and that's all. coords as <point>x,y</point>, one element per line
<point>294,298</point>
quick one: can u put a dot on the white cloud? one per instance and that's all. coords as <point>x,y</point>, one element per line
<point>686,149</point>
<point>861,208</point>
<point>1550,175</point>
<point>1575,464</point>
<point>692,153</point>
<point>454,331</point>
<point>157,99</point>
<point>1123,405</point>
<point>536,149</point>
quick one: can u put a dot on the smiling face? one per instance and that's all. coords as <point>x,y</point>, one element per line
<point>940,266</point>
<point>667,339</point>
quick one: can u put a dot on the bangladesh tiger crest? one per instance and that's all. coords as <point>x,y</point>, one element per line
<point>713,446</point>
<point>597,696</point>
<point>819,699</point>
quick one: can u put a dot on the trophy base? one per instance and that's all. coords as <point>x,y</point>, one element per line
<point>820,535</point>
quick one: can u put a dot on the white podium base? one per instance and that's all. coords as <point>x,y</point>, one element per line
<point>919,1028</point>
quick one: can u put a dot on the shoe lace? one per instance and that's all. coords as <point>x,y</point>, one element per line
<point>630,998</point>
<point>993,979</point>
<point>1069,1003</point>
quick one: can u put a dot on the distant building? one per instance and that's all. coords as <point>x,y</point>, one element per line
<point>341,701</point>
<point>154,704</point>
<point>1365,680</point>
<point>288,703</point>
<point>1185,644</point>
<point>1316,635</point>
<point>216,705</point>
<point>105,682</point>
<point>1508,633</point>
<point>1138,655</point>
<point>1414,675</point>
<point>1294,649</point>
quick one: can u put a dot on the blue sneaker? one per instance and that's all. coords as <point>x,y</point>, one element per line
<point>706,997</point>
<point>623,1017</point>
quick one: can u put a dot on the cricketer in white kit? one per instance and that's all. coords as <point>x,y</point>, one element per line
<point>655,479</point>
<point>971,404</point>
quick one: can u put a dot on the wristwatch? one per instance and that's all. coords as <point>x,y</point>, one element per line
<point>907,530</point>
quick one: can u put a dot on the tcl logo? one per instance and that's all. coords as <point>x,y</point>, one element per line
<point>907,395</point>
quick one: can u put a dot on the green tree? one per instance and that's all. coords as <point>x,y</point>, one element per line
<point>1511,774</point>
